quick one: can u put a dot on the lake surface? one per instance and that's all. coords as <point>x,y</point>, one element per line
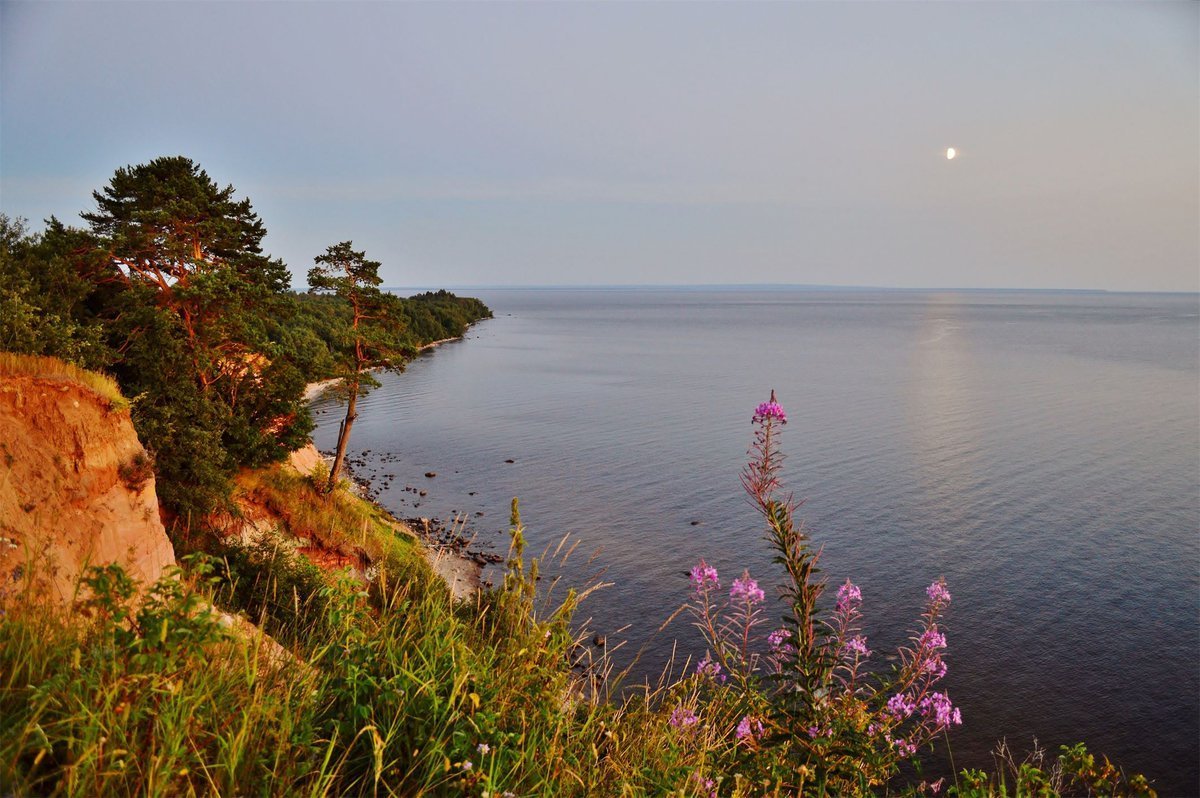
<point>1039,450</point>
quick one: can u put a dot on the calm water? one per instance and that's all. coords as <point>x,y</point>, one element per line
<point>1041,451</point>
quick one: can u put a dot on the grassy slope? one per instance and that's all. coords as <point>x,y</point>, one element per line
<point>395,691</point>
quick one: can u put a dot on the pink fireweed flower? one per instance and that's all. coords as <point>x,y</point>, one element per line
<point>748,729</point>
<point>856,646</point>
<point>769,410</point>
<point>849,596</point>
<point>935,667</point>
<point>901,706</point>
<point>702,575</point>
<point>683,717</point>
<point>904,748</point>
<point>708,785</point>
<point>937,707</point>
<point>746,588</point>
<point>937,593</point>
<point>710,668</point>
<point>777,640</point>
<point>932,640</point>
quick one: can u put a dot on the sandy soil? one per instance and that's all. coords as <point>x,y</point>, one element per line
<point>76,490</point>
<point>461,574</point>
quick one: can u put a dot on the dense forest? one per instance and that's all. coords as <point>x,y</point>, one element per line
<point>168,290</point>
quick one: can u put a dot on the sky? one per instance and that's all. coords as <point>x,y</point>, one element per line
<point>547,143</point>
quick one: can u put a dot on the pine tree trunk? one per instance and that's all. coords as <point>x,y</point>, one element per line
<point>344,435</point>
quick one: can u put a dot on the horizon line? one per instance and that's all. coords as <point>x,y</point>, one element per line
<point>764,286</point>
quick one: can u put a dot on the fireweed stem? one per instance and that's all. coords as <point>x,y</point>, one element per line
<point>835,720</point>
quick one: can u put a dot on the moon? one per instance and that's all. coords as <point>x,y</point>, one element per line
<point>951,153</point>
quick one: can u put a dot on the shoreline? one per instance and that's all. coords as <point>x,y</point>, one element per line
<point>460,568</point>
<point>448,554</point>
<point>315,390</point>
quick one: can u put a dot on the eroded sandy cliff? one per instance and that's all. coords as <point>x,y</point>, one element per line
<point>76,486</point>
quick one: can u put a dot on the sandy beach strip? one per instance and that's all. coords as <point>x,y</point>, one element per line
<point>314,390</point>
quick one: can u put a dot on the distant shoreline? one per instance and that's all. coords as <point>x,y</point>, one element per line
<point>314,390</point>
<point>797,287</point>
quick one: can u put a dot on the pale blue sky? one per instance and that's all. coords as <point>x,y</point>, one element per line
<point>567,143</point>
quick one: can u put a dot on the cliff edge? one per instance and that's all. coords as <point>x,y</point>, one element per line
<point>76,486</point>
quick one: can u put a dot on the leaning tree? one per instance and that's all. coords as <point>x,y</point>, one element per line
<point>375,337</point>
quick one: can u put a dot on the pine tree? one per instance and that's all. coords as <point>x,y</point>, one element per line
<point>376,330</point>
<point>188,293</point>
<point>167,227</point>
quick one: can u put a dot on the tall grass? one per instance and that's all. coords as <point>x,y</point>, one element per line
<point>150,701</point>
<point>280,588</point>
<point>394,690</point>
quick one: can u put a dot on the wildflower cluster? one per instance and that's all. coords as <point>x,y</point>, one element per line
<point>749,729</point>
<point>849,597</point>
<point>779,645</point>
<point>710,668</point>
<point>852,648</point>
<point>856,647</point>
<point>702,576</point>
<point>682,717</point>
<point>706,785</point>
<point>729,623</point>
<point>814,673</point>
<point>746,590</point>
<point>769,410</point>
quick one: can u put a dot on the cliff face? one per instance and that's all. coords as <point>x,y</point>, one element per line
<point>76,488</point>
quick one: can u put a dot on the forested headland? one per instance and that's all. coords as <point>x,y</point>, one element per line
<point>166,288</point>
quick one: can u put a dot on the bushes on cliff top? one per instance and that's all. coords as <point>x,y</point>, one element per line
<point>43,297</point>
